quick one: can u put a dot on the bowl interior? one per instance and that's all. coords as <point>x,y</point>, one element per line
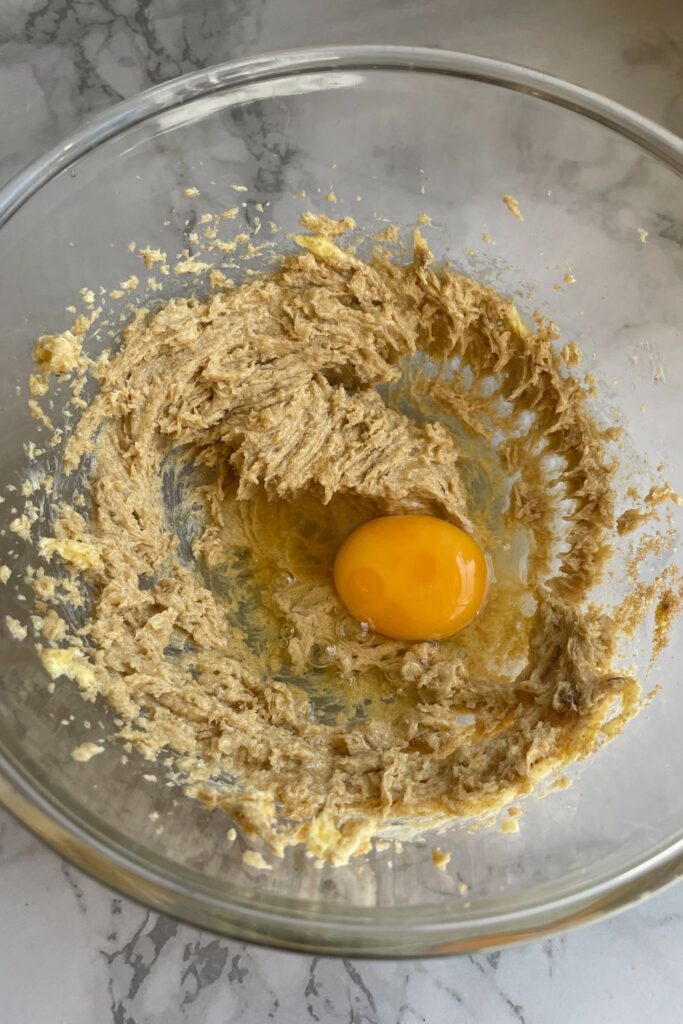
<point>390,143</point>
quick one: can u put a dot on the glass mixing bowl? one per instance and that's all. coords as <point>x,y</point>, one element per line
<point>408,131</point>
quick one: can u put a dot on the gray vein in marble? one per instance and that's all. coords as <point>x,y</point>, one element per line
<point>206,964</point>
<point>152,970</point>
<point>72,877</point>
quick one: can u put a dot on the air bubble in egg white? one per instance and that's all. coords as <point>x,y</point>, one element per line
<point>320,655</point>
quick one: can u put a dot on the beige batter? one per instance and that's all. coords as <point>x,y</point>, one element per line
<point>216,631</point>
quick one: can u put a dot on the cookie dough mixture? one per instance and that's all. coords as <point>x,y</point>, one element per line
<point>233,443</point>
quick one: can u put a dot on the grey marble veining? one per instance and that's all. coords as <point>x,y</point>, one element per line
<point>70,950</point>
<point>73,952</point>
<point>61,60</point>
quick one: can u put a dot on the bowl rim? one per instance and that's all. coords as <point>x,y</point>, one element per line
<point>277,921</point>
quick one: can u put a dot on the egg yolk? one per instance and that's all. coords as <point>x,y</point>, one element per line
<point>411,577</point>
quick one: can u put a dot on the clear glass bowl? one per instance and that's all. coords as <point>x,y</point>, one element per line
<point>408,130</point>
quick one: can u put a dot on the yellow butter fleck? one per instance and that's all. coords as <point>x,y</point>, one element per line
<point>15,628</point>
<point>513,206</point>
<point>65,661</point>
<point>77,552</point>
<point>254,859</point>
<point>86,751</point>
<point>323,247</point>
<point>21,526</point>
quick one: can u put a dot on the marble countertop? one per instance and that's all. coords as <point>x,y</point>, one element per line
<point>70,950</point>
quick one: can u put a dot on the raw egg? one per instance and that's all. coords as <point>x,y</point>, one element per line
<point>411,577</point>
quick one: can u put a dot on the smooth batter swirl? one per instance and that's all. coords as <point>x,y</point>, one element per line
<point>277,415</point>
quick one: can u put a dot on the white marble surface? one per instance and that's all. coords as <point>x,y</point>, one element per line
<point>71,951</point>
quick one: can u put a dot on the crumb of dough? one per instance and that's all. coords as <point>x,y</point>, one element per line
<point>230,213</point>
<point>217,279</point>
<point>191,265</point>
<point>562,782</point>
<point>131,283</point>
<point>661,493</point>
<point>331,197</point>
<point>631,519</point>
<point>571,354</point>
<point>667,610</point>
<point>40,414</point>
<point>52,626</point>
<point>424,218</point>
<point>254,859</point>
<point>487,238</point>
<point>231,835</point>
<point>569,278</point>
<point>86,751</point>
<point>509,825</point>
<point>5,573</point>
<point>440,859</point>
<point>322,225</point>
<point>388,234</point>
<point>21,526</point>
<point>239,188</point>
<point>38,384</point>
<point>57,353</point>
<point>591,385</point>
<point>513,206</point>
<point>151,256</point>
<point>15,628</point>
<point>642,235</point>
<point>191,191</point>
<point>463,888</point>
